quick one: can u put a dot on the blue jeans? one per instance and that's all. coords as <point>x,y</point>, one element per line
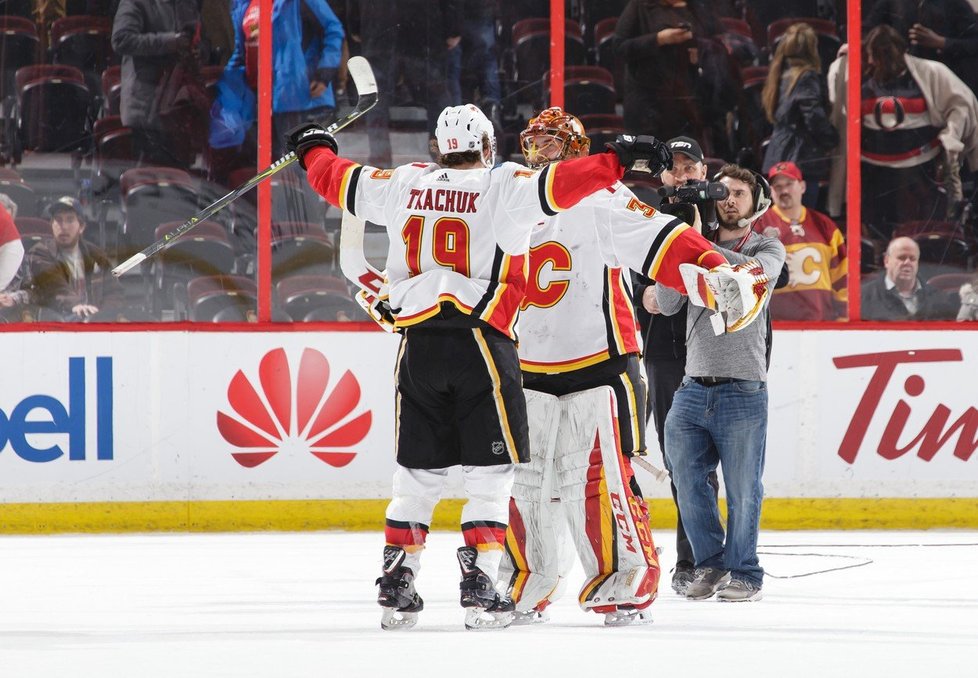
<point>734,418</point>
<point>476,54</point>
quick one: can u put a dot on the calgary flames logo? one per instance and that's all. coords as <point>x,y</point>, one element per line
<point>294,413</point>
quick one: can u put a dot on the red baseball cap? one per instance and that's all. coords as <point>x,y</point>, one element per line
<point>788,168</point>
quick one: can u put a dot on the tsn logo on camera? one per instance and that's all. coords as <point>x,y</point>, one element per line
<point>26,427</point>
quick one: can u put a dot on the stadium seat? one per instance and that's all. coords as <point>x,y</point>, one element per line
<point>316,297</point>
<point>871,255</point>
<point>204,251</point>
<point>738,40</point>
<point>589,90</point>
<point>54,105</point>
<point>225,298</point>
<point>152,196</point>
<point>300,247</point>
<point>111,90</point>
<point>602,128</point>
<point>89,7</point>
<point>948,249</point>
<point>84,42</point>
<point>531,44</point>
<point>19,191</point>
<point>950,282</point>
<point>18,48</point>
<point>753,126</point>
<point>113,140</point>
<point>604,51</point>
<point>32,230</point>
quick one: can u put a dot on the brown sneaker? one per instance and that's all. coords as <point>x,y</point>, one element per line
<point>739,591</point>
<point>706,582</point>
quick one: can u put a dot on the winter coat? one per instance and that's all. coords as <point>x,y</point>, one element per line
<point>879,303</point>
<point>145,34</point>
<point>802,131</point>
<point>51,285</point>
<point>955,20</point>
<point>292,66</point>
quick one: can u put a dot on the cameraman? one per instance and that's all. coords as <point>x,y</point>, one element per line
<point>665,336</point>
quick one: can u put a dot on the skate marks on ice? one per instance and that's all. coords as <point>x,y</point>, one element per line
<point>275,604</point>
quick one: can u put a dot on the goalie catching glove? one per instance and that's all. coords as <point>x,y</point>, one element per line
<point>737,293</point>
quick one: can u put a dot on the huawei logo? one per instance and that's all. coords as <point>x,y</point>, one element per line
<point>294,412</point>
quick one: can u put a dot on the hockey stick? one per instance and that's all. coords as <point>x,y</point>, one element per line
<point>363,77</point>
<point>360,272</point>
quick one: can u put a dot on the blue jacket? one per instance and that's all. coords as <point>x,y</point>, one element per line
<point>292,68</point>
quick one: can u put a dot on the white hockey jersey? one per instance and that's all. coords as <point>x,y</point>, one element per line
<point>578,310</point>
<point>458,236</point>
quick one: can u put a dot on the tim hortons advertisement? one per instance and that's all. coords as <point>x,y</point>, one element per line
<point>198,416</point>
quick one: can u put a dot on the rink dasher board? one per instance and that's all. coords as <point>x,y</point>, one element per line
<point>220,431</point>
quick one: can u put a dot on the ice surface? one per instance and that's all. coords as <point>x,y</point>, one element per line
<point>286,605</point>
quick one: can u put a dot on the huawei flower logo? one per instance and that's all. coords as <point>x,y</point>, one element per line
<point>297,414</point>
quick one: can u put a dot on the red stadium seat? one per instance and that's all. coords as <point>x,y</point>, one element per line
<point>589,90</point>
<point>531,44</point>
<point>604,49</point>
<point>316,297</point>
<point>54,108</point>
<point>19,191</point>
<point>111,90</point>
<point>19,45</point>
<point>152,196</point>
<point>84,42</point>
<point>204,251</point>
<point>32,230</point>
<point>300,247</point>
<point>225,298</point>
<point>950,282</point>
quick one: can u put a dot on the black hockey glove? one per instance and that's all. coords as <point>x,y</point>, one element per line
<point>306,136</point>
<point>641,153</point>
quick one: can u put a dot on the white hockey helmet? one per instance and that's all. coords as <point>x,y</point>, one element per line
<point>462,128</point>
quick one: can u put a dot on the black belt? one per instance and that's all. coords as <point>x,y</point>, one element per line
<point>714,381</point>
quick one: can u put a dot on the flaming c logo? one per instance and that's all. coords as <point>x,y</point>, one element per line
<point>294,413</point>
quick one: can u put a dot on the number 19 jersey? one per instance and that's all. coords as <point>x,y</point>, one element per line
<point>458,236</point>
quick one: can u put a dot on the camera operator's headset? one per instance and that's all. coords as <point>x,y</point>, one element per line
<point>762,197</point>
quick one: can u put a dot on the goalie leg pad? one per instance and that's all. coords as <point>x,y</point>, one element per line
<point>608,522</point>
<point>539,555</point>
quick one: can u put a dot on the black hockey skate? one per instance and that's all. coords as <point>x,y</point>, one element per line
<point>397,596</point>
<point>485,609</point>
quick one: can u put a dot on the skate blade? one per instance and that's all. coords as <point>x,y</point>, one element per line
<point>478,619</point>
<point>530,618</point>
<point>395,620</point>
<point>627,618</point>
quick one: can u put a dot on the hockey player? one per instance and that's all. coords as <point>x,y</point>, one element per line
<point>456,275</point>
<point>586,391</point>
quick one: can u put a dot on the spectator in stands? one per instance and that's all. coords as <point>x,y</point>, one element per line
<point>71,278</point>
<point>407,42</point>
<point>475,59</point>
<point>969,300</point>
<point>307,41</point>
<point>918,117</point>
<point>677,79</point>
<point>899,294</point>
<point>11,248</point>
<point>150,36</point>
<point>940,30</point>
<point>816,252</point>
<point>796,103</point>
<point>664,342</point>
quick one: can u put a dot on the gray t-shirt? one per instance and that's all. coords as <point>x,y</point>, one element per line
<point>737,355</point>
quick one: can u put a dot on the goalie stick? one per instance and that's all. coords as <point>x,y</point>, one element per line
<point>363,77</point>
